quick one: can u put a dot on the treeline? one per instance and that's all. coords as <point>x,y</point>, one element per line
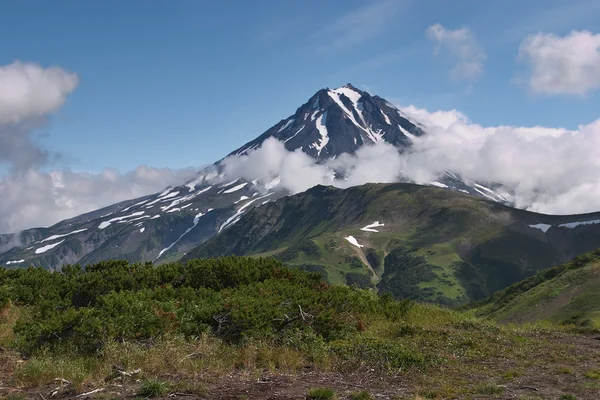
<point>233,298</point>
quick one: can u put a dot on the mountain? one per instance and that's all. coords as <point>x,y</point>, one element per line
<point>569,293</point>
<point>420,242</point>
<point>339,121</point>
<point>164,226</point>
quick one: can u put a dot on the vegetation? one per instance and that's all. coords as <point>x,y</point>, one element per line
<point>566,294</point>
<point>436,245</point>
<point>320,394</point>
<point>232,322</point>
<point>361,396</point>
<point>153,388</point>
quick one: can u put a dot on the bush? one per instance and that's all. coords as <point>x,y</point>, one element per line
<point>234,298</point>
<point>320,394</point>
<point>153,388</point>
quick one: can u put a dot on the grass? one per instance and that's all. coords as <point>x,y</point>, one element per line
<point>153,388</point>
<point>16,397</point>
<point>488,388</point>
<point>566,294</point>
<point>361,396</point>
<point>321,394</point>
<point>429,341</point>
<point>594,374</point>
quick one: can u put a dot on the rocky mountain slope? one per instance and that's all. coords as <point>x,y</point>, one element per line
<point>414,241</point>
<point>165,225</point>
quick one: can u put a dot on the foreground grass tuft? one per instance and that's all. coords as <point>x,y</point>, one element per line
<point>361,396</point>
<point>320,394</point>
<point>153,388</point>
<point>16,397</point>
<point>595,374</point>
<point>488,388</point>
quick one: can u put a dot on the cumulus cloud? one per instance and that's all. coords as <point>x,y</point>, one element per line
<point>562,65</point>
<point>34,198</point>
<point>549,170</point>
<point>30,195</point>
<point>461,47</point>
<point>297,172</point>
<point>28,93</point>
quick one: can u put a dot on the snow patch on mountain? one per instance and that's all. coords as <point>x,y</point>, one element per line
<point>236,188</point>
<point>322,128</point>
<point>236,217</point>
<point>370,227</point>
<point>295,134</point>
<point>287,125</point>
<point>54,237</point>
<point>572,225</point>
<point>44,249</point>
<point>195,222</point>
<point>106,224</point>
<point>135,205</point>
<point>439,184</point>
<point>542,227</point>
<point>387,119</point>
<point>353,241</point>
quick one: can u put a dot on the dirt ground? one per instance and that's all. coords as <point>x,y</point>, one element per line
<point>540,379</point>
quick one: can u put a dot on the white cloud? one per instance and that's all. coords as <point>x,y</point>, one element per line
<point>29,91</point>
<point>562,65</point>
<point>550,170</point>
<point>462,48</point>
<point>33,197</point>
<point>299,172</point>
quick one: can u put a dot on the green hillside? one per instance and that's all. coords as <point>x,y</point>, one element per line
<point>435,245</point>
<point>249,328</point>
<point>567,294</point>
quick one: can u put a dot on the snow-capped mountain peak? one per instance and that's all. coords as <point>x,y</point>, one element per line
<point>337,121</point>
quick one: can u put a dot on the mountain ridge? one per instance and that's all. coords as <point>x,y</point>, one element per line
<point>457,247</point>
<point>165,225</point>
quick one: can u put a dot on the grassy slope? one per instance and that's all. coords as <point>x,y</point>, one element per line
<point>463,248</point>
<point>427,353</point>
<point>569,293</point>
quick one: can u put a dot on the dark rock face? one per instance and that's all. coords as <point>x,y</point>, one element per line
<point>339,121</point>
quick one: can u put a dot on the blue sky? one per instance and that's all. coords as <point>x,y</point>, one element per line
<point>176,84</point>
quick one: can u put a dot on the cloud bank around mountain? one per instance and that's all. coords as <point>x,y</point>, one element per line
<point>32,196</point>
<point>549,170</point>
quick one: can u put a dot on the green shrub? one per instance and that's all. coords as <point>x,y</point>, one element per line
<point>153,388</point>
<point>234,298</point>
<point>320,394</point>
